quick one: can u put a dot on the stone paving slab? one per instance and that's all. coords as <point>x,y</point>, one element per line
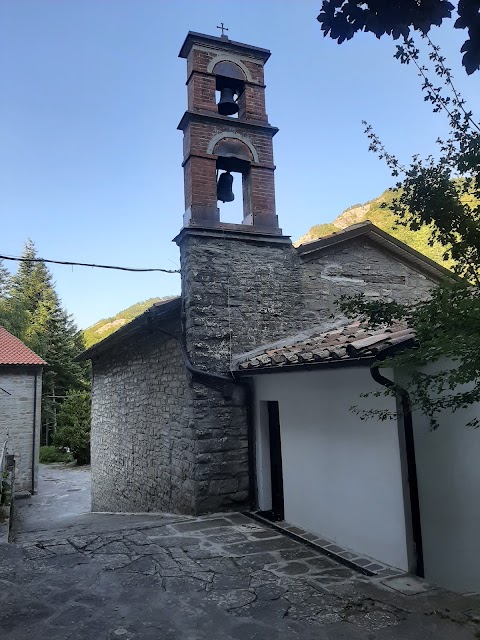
<point>169,580</point>
<point>346,556</point>
<point>172,577</point>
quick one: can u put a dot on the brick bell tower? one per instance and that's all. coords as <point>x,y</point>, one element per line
<point>232,135</point>
<point>240,282</point>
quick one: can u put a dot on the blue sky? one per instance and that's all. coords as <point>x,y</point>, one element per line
<point>90,157</point>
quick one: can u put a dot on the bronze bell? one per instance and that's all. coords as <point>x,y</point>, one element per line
<point>227,105</point>
<point>224,187</point>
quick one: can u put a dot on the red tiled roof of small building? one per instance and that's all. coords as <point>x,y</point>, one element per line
<point>14,352</point>
<point>350,342</point>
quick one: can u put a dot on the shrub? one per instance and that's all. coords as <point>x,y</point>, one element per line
<point>51,454</point>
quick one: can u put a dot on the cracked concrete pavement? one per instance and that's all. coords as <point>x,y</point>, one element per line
<point>72,574</point>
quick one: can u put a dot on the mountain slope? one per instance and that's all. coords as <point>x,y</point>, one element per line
<point>371,210</point>
<point>383,218</point>
<point>107,326</point>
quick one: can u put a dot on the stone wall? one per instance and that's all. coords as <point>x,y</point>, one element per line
<point>16,420</point>
<point>354,267</point>
<point>142,444</point>
<point>221,450</point>
<point>239,292</point>
<point>242,292</point>
<point>163,443</point>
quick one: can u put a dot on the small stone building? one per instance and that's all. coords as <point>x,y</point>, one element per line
<point>20,408</point>
<point>172,429</point>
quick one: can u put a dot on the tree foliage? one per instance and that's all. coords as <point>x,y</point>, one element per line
<point>441,193</point>
<point>379,212</point>
<point>342,19</point>
<point>447,330</point>
<point>4,278</point>
<point>73,429</point>
<point>31,310</point>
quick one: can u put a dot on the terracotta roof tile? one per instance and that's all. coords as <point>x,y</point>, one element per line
<point>346,343</point>
<point>14,352</point>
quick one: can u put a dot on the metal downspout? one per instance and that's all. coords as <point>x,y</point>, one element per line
<point>250,402</point>
<point>209,379</point>
<point>34,436</point>
<point>225,385</point>
<point>407,422</point>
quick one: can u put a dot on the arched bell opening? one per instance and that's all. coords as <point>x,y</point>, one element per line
<point>233,190</point>
<point>233,181</point>
<point>229,87</point>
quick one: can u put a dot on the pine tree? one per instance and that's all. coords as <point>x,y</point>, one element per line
<point>4,281</point>
<point>4,287</point>
<point>12,313</point>
<point>33,312</point>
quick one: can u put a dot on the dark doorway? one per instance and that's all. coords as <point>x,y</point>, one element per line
<point>276,470</point>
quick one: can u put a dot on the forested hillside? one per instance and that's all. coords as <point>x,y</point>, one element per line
<point>383,218</point>
<point>107,326</point>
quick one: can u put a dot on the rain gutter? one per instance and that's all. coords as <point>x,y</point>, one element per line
<point>224,384</point>
<point>34,430</point>
<point>407,423</point>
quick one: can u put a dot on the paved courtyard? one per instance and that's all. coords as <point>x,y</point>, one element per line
<point>74,575</point>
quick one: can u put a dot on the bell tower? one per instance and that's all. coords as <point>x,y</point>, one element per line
<point>241,283</point>
<point>227,135</point>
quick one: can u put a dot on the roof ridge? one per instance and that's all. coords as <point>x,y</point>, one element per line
<point>389,242</point>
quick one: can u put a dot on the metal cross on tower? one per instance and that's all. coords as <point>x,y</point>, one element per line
<point>223,28</point>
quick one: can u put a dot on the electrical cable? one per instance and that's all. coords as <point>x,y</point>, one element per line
<point>86,264</point>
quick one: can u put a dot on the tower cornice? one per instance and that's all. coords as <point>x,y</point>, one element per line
<point>211,116</point>
<point>222,43</point>
<point>240,232</point>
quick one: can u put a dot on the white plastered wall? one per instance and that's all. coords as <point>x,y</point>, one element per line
<point>448,470</point>
<point>342,476</point>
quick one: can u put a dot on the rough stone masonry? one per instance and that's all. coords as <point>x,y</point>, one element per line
<point>20,422</point>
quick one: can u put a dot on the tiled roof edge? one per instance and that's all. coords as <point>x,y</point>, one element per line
<point>25,356</point>
<point>351,343</point>
<point>283,342</point>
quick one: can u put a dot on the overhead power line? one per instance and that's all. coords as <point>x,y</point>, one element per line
<point>86,264</point>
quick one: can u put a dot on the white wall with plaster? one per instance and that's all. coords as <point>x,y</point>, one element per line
<point>342,476</point>
<point>448,470</point>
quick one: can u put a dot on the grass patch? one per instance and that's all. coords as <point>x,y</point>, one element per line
<point>49,455</point>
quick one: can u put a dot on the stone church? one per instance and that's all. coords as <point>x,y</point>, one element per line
<point>173,413</point>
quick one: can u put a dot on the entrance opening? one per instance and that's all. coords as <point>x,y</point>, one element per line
<point>277,512</point>
<point>276,469</point>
